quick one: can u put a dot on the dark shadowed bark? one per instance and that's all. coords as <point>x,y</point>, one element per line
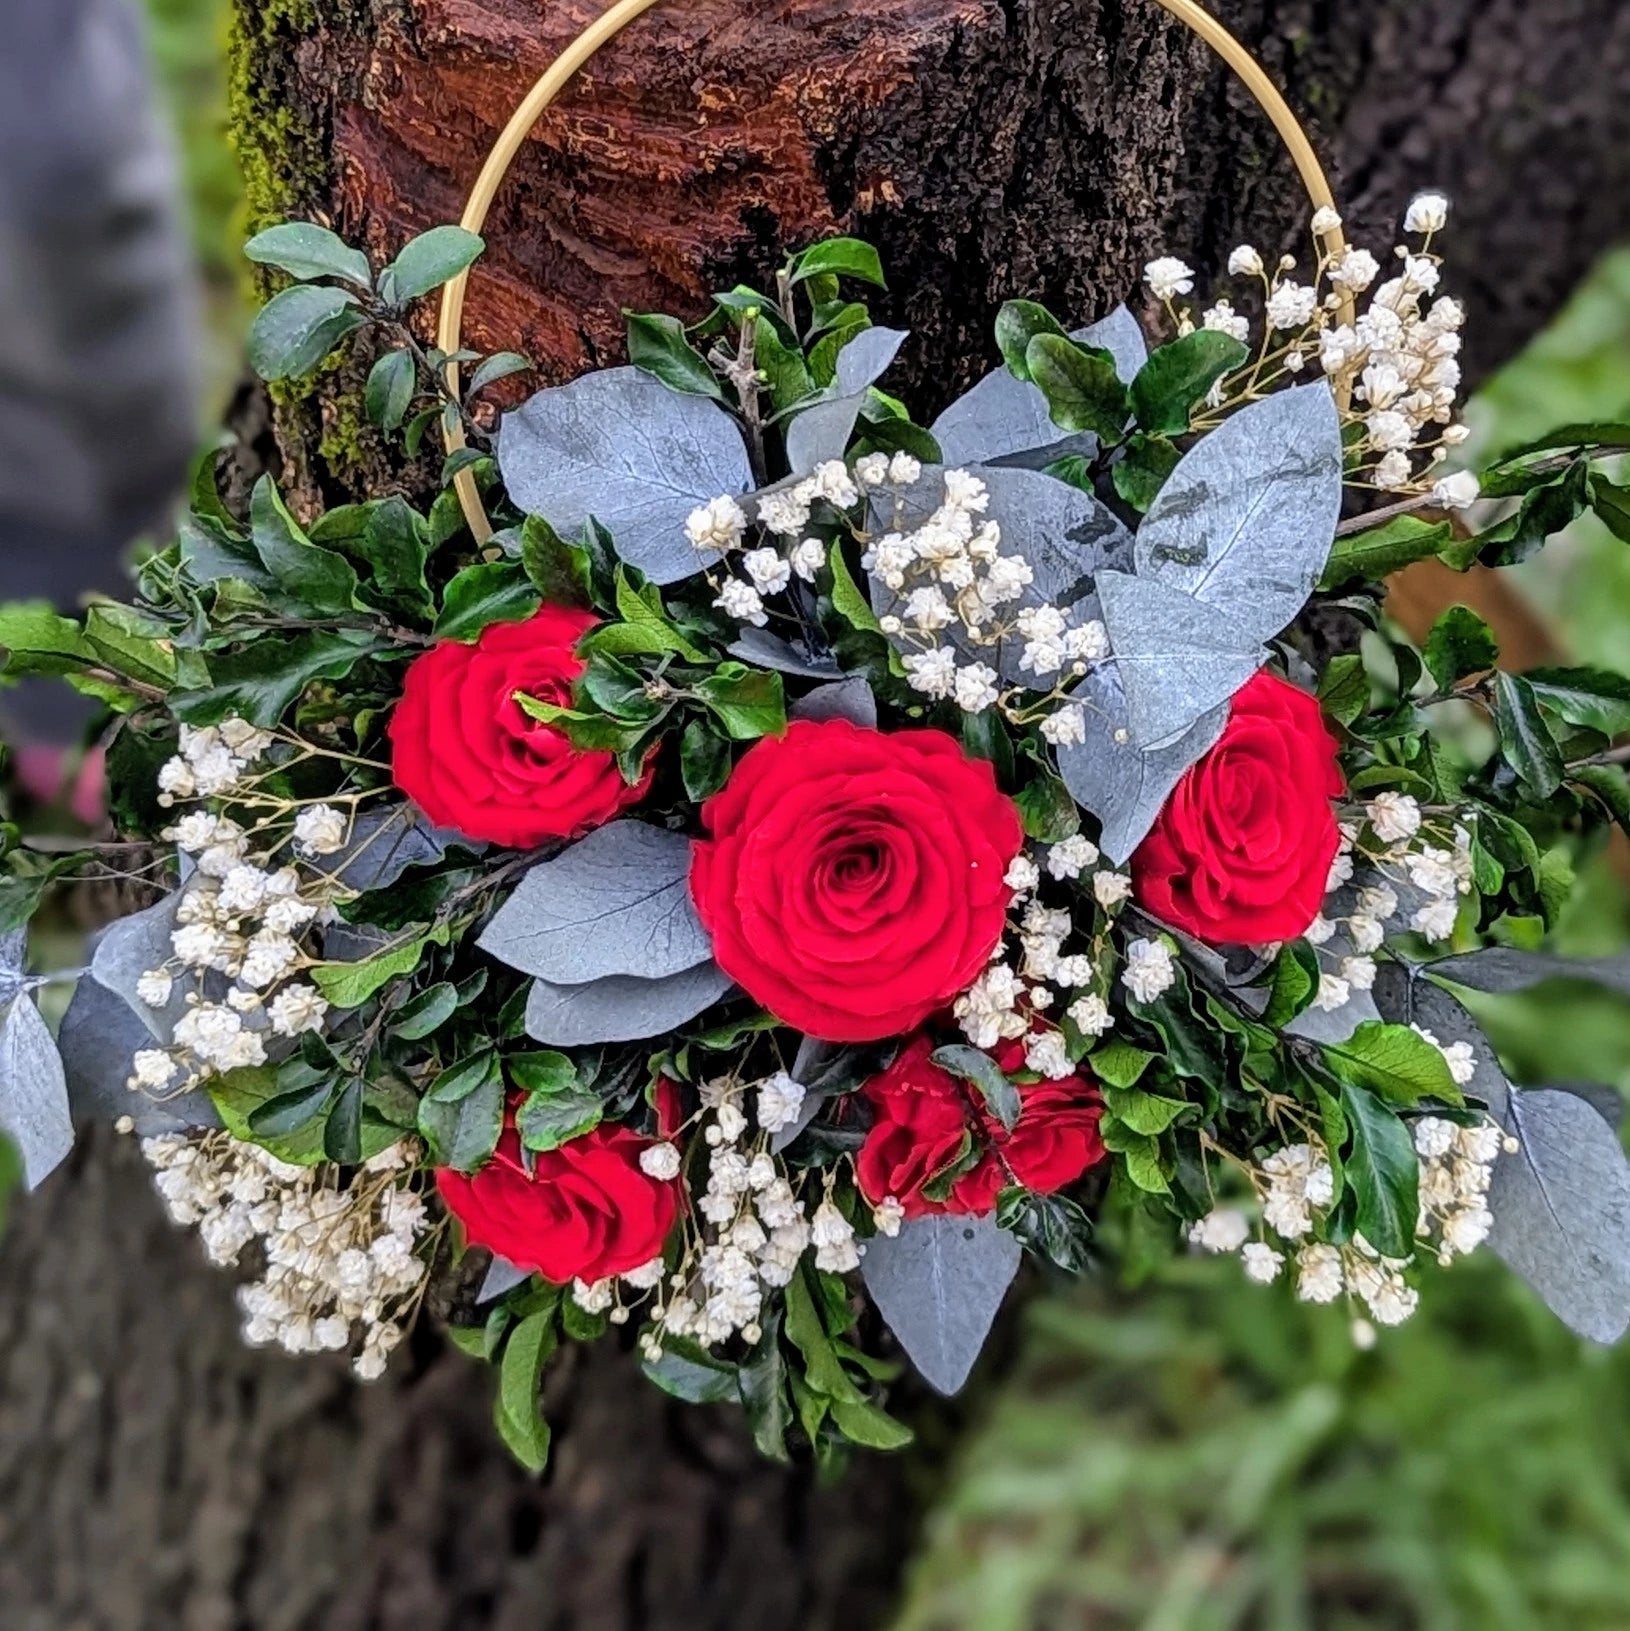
<point>155,1475</point>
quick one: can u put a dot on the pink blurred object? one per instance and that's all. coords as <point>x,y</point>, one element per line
<point>45,772</point>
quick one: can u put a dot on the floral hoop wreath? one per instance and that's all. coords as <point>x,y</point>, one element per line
<point>616,18</point>
<point>744,857</point>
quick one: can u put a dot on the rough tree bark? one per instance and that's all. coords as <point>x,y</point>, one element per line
<point>155,1474</point>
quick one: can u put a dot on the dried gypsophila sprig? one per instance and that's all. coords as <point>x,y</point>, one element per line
<point>1396,366</point>
<point>344,1257</point>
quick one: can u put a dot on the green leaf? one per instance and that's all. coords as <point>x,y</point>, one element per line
<point>1393,1061</point>
<point>1459,644</point>
<point>1592,697</point>
<point>487,592</point>
<point>1608,785</point>
<point>240,1093</point>
<point>867,1425</point>
<point>1294,984</point>
<point>685,1371</point>
<point>1545,510</point>
<point>847,599</point>
<point>395,542</point>
<point>131,643</point>
<point>1344,688</point>
<point>1142,469</point>
<point>295,330</point>
<point>747,702</point>
<point>392,384</point>
<point>348,985</point>
<point>260,681</point>
<point>427,1012</point>
<point>430,260</point>
<point>1017,324</point>
<point>658,345</point>
<point>316,577</point>
<point>1525,738</point>
<point>1083,391</point>
<point>289,1112</point>
<point>838,257</point>
<point>518,1410</point>
<point>463,1133</point>
<point>306,251</point>
<point>542,1071</point>
<point>1048,812</point>
<point>1177,377</point>
<point>1000,1096</point>
<point>552,1117</point>
<point>704,760</point>
<point>342,1132</point>
<point>1147,1114</point>
<point>464,1077</point>
<point>785,373</point>
<point>37,639</point>
<point>642,611</point>
<point>1375,555</point>
<point>823,1370</point>
<point>762,1379</point>
<point>559,571</point>
<point>1117,1063</point>
<point>1383,1172</point>
<point>500,365</point>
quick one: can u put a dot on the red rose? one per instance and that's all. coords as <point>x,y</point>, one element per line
<point>471,759</point>
<point>585,1212</point>
<point>925,1116</point>
<point>852,882</point>
<point>1242,849</point>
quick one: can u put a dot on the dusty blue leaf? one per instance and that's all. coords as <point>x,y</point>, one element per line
<point>620,1007</point>
<point>1246,520</point>
<point>1178,658</point>
<point>502,1275</point>
<point>384,842</point>
<point>616,902</point>
<point>33,1092</point>
<point>1120,783</point>
<point>1504,968</point>
<point>132,945</point>
<point>822,432</point>
<point>843,699</point>
<point>765,650</point>
<point>938,1285</point>
<point>620,446</point>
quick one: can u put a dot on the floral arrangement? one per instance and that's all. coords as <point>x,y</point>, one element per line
<point>805,861</point>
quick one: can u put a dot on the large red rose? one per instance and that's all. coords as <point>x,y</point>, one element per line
<point>585,1212</point>
<point>1242,849</point>
<point>471,759</point>
<point>924,1115</point>
<point>851,881</point>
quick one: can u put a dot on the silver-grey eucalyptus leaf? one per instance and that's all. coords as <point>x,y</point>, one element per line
<point>384,843</point>
<point>132,945</point>
<point>620,1007</point>
<point>1505,968</point>
<point>1119,782</point>
<point>1004,419</point>
<point>821,432</point>
<point>98,1040</point>
<point>1178,658</point>
<point>501,1276</point>
<point>33,1092</point>
<point>615,902</point>
<point>1246,520</point>
<point>1561,1209</point>
<point>766,650</point>
<point>620,446</point>
<point>938,1285</point>
<point>1405,996</point>
<point>1067,536</point>
<point>850,699</point>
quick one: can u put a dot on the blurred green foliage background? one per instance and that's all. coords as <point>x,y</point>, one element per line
<point>1203,1455</point>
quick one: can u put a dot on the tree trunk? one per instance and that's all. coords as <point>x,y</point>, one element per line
<point>154,1473</point>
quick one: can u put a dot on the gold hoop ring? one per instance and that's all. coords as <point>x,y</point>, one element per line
<point>617,17</point>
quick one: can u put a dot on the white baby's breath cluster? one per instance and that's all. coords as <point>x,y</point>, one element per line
<point>719,531</point>
<point>1296,1184</point>
<point>1404,857</point>
<point>1397,363</point>
<point>1023,986</point>
<point>744,1234</point>
<point>342,1265</point>
<point>255,890</point>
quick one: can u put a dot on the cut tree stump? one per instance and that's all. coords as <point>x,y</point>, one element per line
<point>157,1476</point>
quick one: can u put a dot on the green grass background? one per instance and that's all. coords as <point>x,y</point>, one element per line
<point>1203,1454</point>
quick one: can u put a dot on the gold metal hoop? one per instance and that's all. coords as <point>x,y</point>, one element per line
<point>617,17</point>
